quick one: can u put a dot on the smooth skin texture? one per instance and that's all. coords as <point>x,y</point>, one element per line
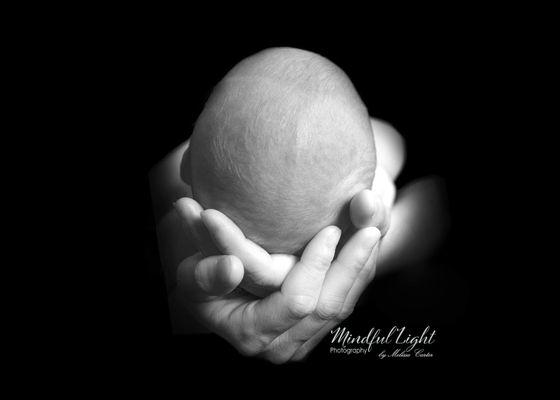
<point>300,300</point>
<point>282,144</point>
<point>318,291</point>
<point>212,281</point>
<point>167,186</point>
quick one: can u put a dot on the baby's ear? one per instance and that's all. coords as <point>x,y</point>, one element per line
<point>185,168</point>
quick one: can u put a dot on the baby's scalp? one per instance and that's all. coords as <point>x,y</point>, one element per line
<point>282,145</point>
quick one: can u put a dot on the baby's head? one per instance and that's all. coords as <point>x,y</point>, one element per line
<point>283,144</point>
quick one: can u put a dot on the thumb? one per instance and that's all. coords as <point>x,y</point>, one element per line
<point>202,279</point>
<point>367,209</point>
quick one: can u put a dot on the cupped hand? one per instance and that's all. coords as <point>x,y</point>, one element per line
<point>264,273</point>
<point>216,235</point>
<point>317,293</point>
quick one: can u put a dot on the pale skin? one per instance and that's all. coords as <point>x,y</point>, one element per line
<point>315,295</point>
<point>167,186</point>
<point>207,260</point>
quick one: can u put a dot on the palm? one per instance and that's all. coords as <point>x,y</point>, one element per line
<point>315,292</point>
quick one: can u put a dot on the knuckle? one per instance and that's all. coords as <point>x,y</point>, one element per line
<point>251,340</point>
<point>317,266</point>
<point>251,346</point>
<point>300,306</point>
<point>328,310</point>
<point>248,350</point>
<point>323,259</point>
<point>356,266</point>
<point>345,313</point>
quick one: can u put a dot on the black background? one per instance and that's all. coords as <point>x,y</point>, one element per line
<point>426,84</point>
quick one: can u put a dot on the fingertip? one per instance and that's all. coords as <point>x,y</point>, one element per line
<point>210,217</point>
<point>182,202</point>
<point>187,206</point>
<point>219,275</point>
<point>328,236</point>
<point>362,208</point>
<point>332,230</point>
<point>178,205</point>
<point>372,234</point>
<point>334,233</point>
<point>219,224</point>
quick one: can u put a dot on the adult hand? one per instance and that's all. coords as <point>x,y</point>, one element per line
<point>316,294</point>
<point>263,272</point>
<point>215,235</point>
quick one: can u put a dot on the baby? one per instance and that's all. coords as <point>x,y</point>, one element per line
<point>283,144</point>
<point>285,147</point>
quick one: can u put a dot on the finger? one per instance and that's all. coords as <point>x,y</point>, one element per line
<point>310,344</point>
<point>262,275</point>
<point>364,279</point>
<point>219,275</point>
<point>300,291</point>
<point>344,271</point>
<point>304,333</point>
<point>284,264</point>
<point>224,315</point>
<point>362,208</point>
<point>202,279</point>
<point>306,278</point>
<point>367,209</point>
<point>189,210</point>
<point>278,312</point>
<point>336,286</point>
<point>283,310</point>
